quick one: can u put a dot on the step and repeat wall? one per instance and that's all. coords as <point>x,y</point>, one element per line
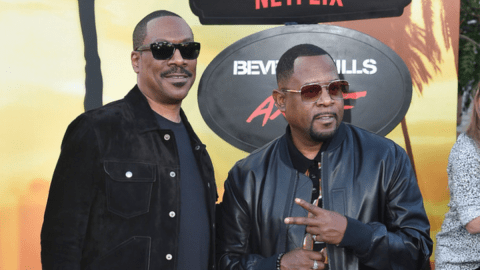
<point>402,72</point>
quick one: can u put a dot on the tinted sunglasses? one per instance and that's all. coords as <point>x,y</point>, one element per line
<point>311,92</point>
<point>165,50</point>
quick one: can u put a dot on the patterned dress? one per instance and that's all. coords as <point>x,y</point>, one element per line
<point>456,248</point>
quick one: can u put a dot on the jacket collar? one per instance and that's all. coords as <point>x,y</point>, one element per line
<point>338,137</point>
<point>300,162</point>
<point>333,143</point>
<point>144,116</point>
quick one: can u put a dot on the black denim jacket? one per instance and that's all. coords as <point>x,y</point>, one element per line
<point>115,196</point>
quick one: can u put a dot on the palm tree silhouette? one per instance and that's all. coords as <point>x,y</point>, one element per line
<point>420,43</point>
<point>93,73</point>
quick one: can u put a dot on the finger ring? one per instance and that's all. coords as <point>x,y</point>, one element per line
<point>315,264</point>
<point>314,237</point>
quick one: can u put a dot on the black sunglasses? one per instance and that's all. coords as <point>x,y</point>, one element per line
<point>165,50</point>
<point>311,92</point>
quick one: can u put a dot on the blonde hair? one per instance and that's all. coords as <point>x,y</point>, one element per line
<point>473,129</point>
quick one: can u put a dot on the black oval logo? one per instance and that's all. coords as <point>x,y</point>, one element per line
<point>234,93</point>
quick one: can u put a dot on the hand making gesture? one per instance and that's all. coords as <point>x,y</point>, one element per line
<point>325,226</point>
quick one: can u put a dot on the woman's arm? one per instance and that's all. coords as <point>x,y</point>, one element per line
<point>473,227</point>
<point>464,183</point>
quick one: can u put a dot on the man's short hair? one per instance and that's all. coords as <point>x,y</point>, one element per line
<point>285,64</point>
<point>140,31</point>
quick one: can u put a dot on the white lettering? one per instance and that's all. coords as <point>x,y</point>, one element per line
<point>254,67</point>
<point>240,67</point>
<point>344,66</point>
<point>369,64</point>
<point>255,64</point>
<point>271,64</point>
<point>369,67</point>
<point>259,67</point>
<point>354,66</point>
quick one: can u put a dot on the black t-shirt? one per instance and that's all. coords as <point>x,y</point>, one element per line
<point>309,167</point>
<point>194,236</point>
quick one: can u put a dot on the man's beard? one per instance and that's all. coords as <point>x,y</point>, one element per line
<point>322,136</point>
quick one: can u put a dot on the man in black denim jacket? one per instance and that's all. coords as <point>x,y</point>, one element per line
<point>119,198</point>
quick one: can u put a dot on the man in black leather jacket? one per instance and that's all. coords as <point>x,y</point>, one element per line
<point>370,212</point>
<point>134,186</point>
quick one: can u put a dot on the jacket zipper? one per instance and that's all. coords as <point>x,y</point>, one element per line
<point>324,199</point>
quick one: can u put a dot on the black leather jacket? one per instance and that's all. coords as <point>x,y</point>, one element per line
<point>115,196</point>
<point>365,177</point>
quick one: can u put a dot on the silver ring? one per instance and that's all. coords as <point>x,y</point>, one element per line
<point>314,237</point>
<point>315,264</point>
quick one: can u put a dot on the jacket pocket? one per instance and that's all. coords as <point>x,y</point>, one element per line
<point>129,187</point>
<point>131,254</point>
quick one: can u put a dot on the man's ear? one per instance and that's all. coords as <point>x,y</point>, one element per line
<point>279,98</point>
<point>135,61</point>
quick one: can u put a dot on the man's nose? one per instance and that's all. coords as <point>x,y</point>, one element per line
<point>325,97</point>
<point>177,58</point>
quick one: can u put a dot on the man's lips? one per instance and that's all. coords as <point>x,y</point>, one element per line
<point>325,117</point>
<point>176,76</point>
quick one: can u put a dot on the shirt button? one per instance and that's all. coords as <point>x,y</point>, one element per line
<point>197,147</point>
<point>172,174</point>
<point>171,214</point>
<point>208,185</point>
<point>129,174</point>
<point>166,137</point>
<point>169,257</point>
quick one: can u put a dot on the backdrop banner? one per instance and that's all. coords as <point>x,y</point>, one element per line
<point>402,71</point>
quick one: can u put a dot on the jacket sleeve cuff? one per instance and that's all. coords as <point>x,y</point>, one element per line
<point>358,236</point>
<point>268,263</point>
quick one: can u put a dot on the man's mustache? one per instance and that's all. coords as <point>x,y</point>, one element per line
<point>176,70</point>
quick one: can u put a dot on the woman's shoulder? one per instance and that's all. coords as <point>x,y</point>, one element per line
<point>465,145</point>
<point>465,152</point>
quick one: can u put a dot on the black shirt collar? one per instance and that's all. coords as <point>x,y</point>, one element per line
<point>299,161</point>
